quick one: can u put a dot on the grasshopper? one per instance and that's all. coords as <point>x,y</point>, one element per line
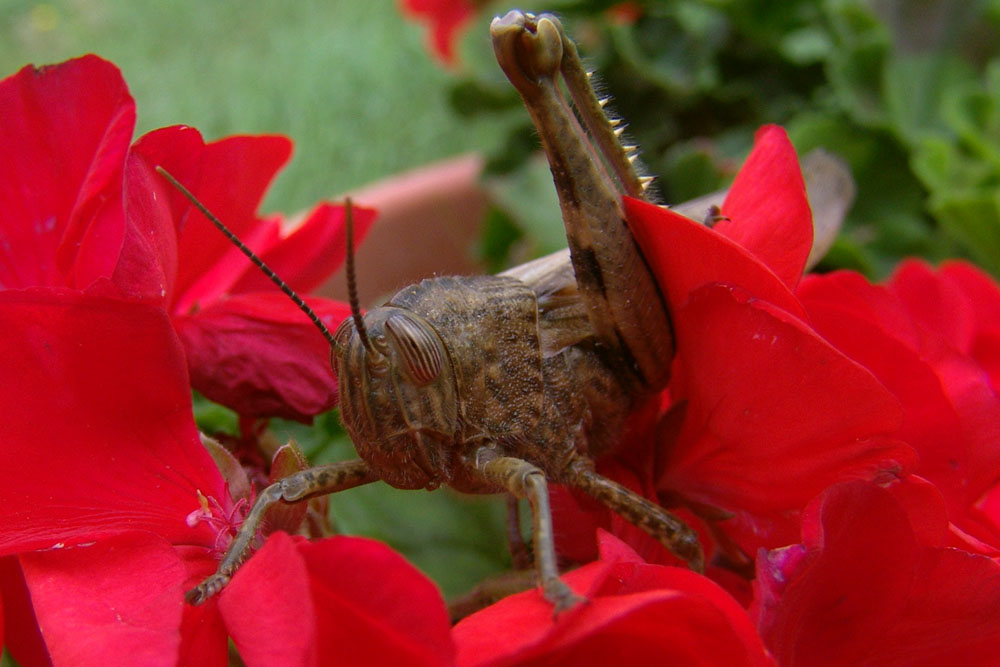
<point>503,384</point>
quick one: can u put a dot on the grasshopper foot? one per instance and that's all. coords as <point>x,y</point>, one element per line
<point>206,589</point>
<point>561,596</point>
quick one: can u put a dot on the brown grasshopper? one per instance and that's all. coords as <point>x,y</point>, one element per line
<point>505,383</point>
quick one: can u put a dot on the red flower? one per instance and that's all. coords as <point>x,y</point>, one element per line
<point>83,210</point>
<point>918,334</point>
<point>765,414</point>
<point>871,584</point>
<point>636,613</point>
<point>445,18</point>
<point>114,509</point>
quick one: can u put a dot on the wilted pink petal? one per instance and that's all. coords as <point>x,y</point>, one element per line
<point>261,356</point>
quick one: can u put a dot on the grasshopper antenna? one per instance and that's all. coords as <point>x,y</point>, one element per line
<point>259,263</point>
<point>352,282</point>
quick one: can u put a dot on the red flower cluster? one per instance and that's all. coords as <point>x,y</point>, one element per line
<point>110,505</point>
<point>835,442</point>
<point>86,211</point>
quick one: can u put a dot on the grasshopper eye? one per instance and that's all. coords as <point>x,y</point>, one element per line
<point>416,347</point>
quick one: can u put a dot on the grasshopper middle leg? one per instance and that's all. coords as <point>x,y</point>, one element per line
<point>525,480</point>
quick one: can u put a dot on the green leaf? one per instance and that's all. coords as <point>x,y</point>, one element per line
<point>973,218</point>
<point>915,89</point>
<point>214,418</point>
<point>974,115</point>
<point>692,169</point>
<point>861,46</point>
<point>889,215</point>
<point>499,235</point>
<point>529,197</point>
<point>942,165</point>
<point>807,45</point>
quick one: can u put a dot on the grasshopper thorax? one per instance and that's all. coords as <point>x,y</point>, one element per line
<point>398,396</point>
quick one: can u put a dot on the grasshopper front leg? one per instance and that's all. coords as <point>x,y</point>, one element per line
<point>592,171</point>
<point>321,480</point>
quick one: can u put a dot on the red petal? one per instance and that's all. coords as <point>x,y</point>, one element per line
<point>118,601</point>
<point>368,598</point>
<point>268,608</point>
<point>869,593</point>
<point>65,130</point>
<point>24,638</point>
<point>636,614</point>
<point>934,304</point>
<point>984,295</point>
<point>767,207</point>
<point>310,254</point>
<point>260,355</point>
<point>952,416</point>
<point>685,254</point>
<point>446,18</point>
<point>233,175</point>
<point>950,617</point>
<point>763,387</point>
<point>204,640</point>
<point>148,264</point>
<point>977,286</point>
<point>97,436</point>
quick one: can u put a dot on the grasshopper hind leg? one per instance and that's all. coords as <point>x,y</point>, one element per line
<point>668,529</point>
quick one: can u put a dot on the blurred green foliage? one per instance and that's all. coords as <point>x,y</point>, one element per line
<point>908,92</point>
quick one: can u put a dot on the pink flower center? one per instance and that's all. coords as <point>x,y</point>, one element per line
<point>223,524</point>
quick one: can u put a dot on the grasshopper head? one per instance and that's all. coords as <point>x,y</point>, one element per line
<point>398,396</point>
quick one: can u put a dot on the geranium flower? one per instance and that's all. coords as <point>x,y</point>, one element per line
<point>873,584</point>
<point>636,613</point>
<point>445,18</point>
<point>764,414</point>
<point>923,334</point>
<point>114,509</point>
<point>84,210</point>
